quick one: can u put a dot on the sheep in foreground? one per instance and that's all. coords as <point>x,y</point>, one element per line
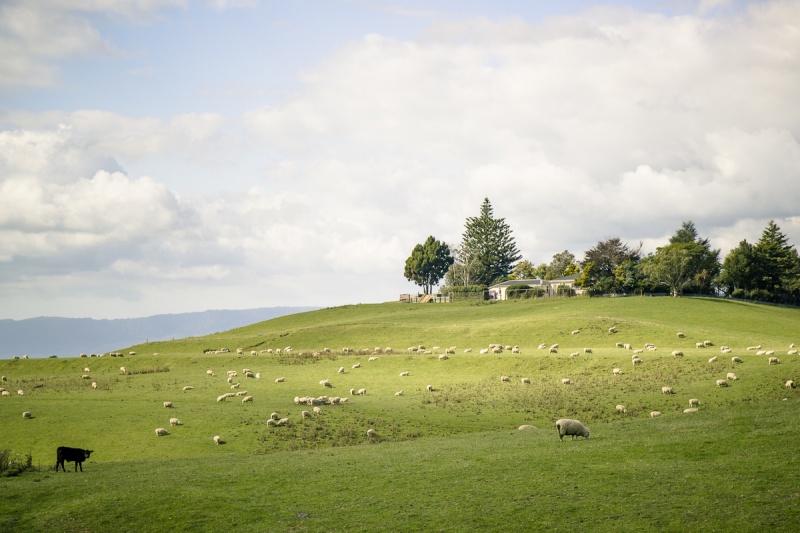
<point>217,439</point>
<point>722,383</point>
<point>654,414</point>
<point>175,422</point>
<point>160,432</point>
<point>572,428</point>
<point>694,402</point>
<point>621,409</point>
<point>317,410</point>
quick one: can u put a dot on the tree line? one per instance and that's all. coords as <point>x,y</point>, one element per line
<point>768,270</point>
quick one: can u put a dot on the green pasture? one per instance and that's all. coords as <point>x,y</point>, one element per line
<point>450,459</point>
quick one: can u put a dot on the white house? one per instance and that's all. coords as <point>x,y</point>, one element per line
<point>550,287</point>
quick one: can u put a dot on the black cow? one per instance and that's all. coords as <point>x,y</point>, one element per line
<point>76,455</point>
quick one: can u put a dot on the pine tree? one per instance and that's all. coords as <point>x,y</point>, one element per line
<point>488,241</point>
<point>779,263</point>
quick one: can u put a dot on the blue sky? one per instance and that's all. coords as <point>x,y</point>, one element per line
<point>165,156</point>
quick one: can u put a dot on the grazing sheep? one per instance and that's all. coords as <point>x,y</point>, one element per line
<point>773,360</point>
<point>209,372</point>
<point>667,390</point>
<point>699,345</point>
<point>175,422</point>
<point>26,414</point>
<point>543,346</point>
<point>325,383</point>
<point>618,345</point>
<point>222,397</point>
<point>272,422</point>
<point>587,350</point>
<point>371,433</point>
<point>573,428</point>
<point>217,439</point>
<point>769,352</point>
<point>722,383</point>
<point>230,380</point>
<point>617,371</point>
<point>515,349</point>
<point>280,380</point>
<point>372,359</point>
<point>505,378</point>
<point>621,409</point>
<point>467,350</point>
<point>566,381</point>
<point>443,357</point>
<point>790,384</point>
<point>282,422</point>
<point>626,346</point>
<point>639,350</point>
<point>525,380</point>
<point>654,414</point>
<point>94,384</point>
<point>21,392</point>
<point>317,410</point>
<point>706,344</point>
<point>637,361</point>
<point>86,376</point>
<point>357,365</point>
<point>713,359</point>
<point>123,371</point>
<point>574,354</point>
<point>247,399</point>
<point>612,329</point>
<point>681,335</point>
<point>305,414</point>
<point>677,353</point>
<point>5,393</point>
<point>694,402</point>
<point>791,352</point>
<point>523,427</point>
<point>761,352</point>
<point>398,393</point>
<point>361,392</point>
<point>429,388</point>
<point>553,350</point>
<point>736,359</point>
<point>161,432</point>
<point>731,376</point>
<point>575,331</point>
<point>168,405</point>
<point>404,374</point>
<point>690,410</point>
<point>188,388</point>
<point>274,416</point>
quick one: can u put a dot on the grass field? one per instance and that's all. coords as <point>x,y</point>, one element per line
<point>447,460</point>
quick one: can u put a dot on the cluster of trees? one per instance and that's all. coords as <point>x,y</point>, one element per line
<point>768,270</point>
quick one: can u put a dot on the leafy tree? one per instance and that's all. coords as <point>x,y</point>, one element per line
<point>741,270</point>
<point>540,271</point>
<point>559,265</point>
<point>588,278</point>
<point>671,266</point>
<point>605,257</point>
<point>428,263</point>
<point>489,241</point>
<point>704,265</point>
<point>628,276</point>
<point>780,267</point>
<point>523,270</point>
<point>462,272</point>
<point>572,269</point>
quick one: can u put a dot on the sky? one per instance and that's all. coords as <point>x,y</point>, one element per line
<point>167,156</point>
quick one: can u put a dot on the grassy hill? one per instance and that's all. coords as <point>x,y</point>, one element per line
<point>450,459</point>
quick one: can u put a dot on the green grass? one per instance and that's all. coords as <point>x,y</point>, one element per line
<point>447,460</point>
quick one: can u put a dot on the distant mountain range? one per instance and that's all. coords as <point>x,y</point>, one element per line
<point>69,337</point>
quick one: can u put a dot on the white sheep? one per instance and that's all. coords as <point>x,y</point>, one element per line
<point>160,432</point>
<point>694,402</point>
<point>94,384</point>
<point>21,392</point>
<point>341,370</point>
<point>773,360</point>
<point>690,410</point>
<point>217,439</point>
<point>791,352</point>
<point>209,372</point>
<point>280,380</point>
<point>677,353</point>
<point>371,433</point>
<point>681,335</point>
<point>722,383</point>
<point>168,405</point>
<point>525,380</point>
<point>712,359</point>
<point>587,350</point>
<point>707,343</point>
<point>699,345</point>
<point>305,414</point>
<point>443,357</point>
<point>247,399</point>
<point>617,371</point>
<point>398,393</point>
<point>371,359</point>
<point>612,329</point>
<point>573,428</point>
<point>123,371</point>
<point>175,422</point>
<point>566,381</point>
<point>553,350</point>
<point>731,376</point>
<point>282,422</point>
<point>574,354</point>
<point>188,388</point>
<point>317,410</point>
<point>357,365</point>
<point>272,422</point>
<point>361,392</point>
<point>404,374</point>
<point>575,331</point>
<point>26,414</point>
<point>429,388</point>
<point>667,390</point>
<point>222,397</point>
<point>621,409</point>
<point>467,350</point>
<point>524,427</point>
<point>274,416</point>
<point>543,346</point>
<point>505,378</point>
<point>654,414</point>
<point>790,384</point>
<point>736,359</point>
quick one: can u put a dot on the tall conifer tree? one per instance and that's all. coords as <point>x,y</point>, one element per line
<point>489,242</point>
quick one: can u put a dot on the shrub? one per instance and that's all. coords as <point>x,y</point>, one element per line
<point>13,464</point>
<point>465,293</point>
<point>563,290</point>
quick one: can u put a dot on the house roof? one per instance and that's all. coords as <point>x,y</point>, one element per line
<point>513,282</point>
<point>571,277</point>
